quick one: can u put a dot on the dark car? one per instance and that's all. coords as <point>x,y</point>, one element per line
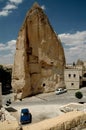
<point>25,116</point>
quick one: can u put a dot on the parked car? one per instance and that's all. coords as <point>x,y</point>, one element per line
<point>60,91</point>
<point>25,116</point>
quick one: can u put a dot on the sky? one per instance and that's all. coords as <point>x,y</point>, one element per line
<point>67,17</point>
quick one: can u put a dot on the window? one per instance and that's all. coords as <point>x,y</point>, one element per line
<point>84,75</point>
<point>51,62</point>
<point>43,84</point>
<point>72,84</point>
<point>80,77</point>
<point>69,75</point>
<point>74,75</point>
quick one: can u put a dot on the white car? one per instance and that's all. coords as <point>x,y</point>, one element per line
<point>60,91</point>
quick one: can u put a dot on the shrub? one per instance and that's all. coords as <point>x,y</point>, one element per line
<point>78,95</point>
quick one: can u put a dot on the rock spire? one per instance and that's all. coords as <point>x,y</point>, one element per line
<point>39,58</point>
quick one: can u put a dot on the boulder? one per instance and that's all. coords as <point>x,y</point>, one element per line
<point>39,56</point>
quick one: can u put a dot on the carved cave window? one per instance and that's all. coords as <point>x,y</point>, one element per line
<point>44,84</point>
<point>51,62</point>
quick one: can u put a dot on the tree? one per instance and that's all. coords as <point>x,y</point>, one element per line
<point>78,95</point>
<point>79,62</point>
<point>5,78</point>
<point>74,64</point>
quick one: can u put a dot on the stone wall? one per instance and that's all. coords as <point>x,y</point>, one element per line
<point>75,120</point>
<point>6,125</point>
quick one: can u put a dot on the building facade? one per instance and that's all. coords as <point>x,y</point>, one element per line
<point>72,78</point>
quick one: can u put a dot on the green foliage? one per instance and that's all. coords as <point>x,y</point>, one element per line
<point>78,95</point>
<point>5,78</point>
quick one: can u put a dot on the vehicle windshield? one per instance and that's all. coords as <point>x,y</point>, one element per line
<point>25,113</point>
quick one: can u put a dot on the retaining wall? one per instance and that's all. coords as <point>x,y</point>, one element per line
<point>75,120</point>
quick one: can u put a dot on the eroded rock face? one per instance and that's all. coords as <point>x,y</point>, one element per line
<point>39,57</point>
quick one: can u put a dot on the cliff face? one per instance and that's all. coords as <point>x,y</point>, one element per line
<point>39,57</point>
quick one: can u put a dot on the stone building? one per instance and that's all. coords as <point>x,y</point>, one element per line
<point>39,57</point>
<point>84,64</point>
<point>75,76</point>
<point>72,78</point>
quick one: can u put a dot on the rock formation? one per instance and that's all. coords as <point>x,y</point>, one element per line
<point>39,57</point>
